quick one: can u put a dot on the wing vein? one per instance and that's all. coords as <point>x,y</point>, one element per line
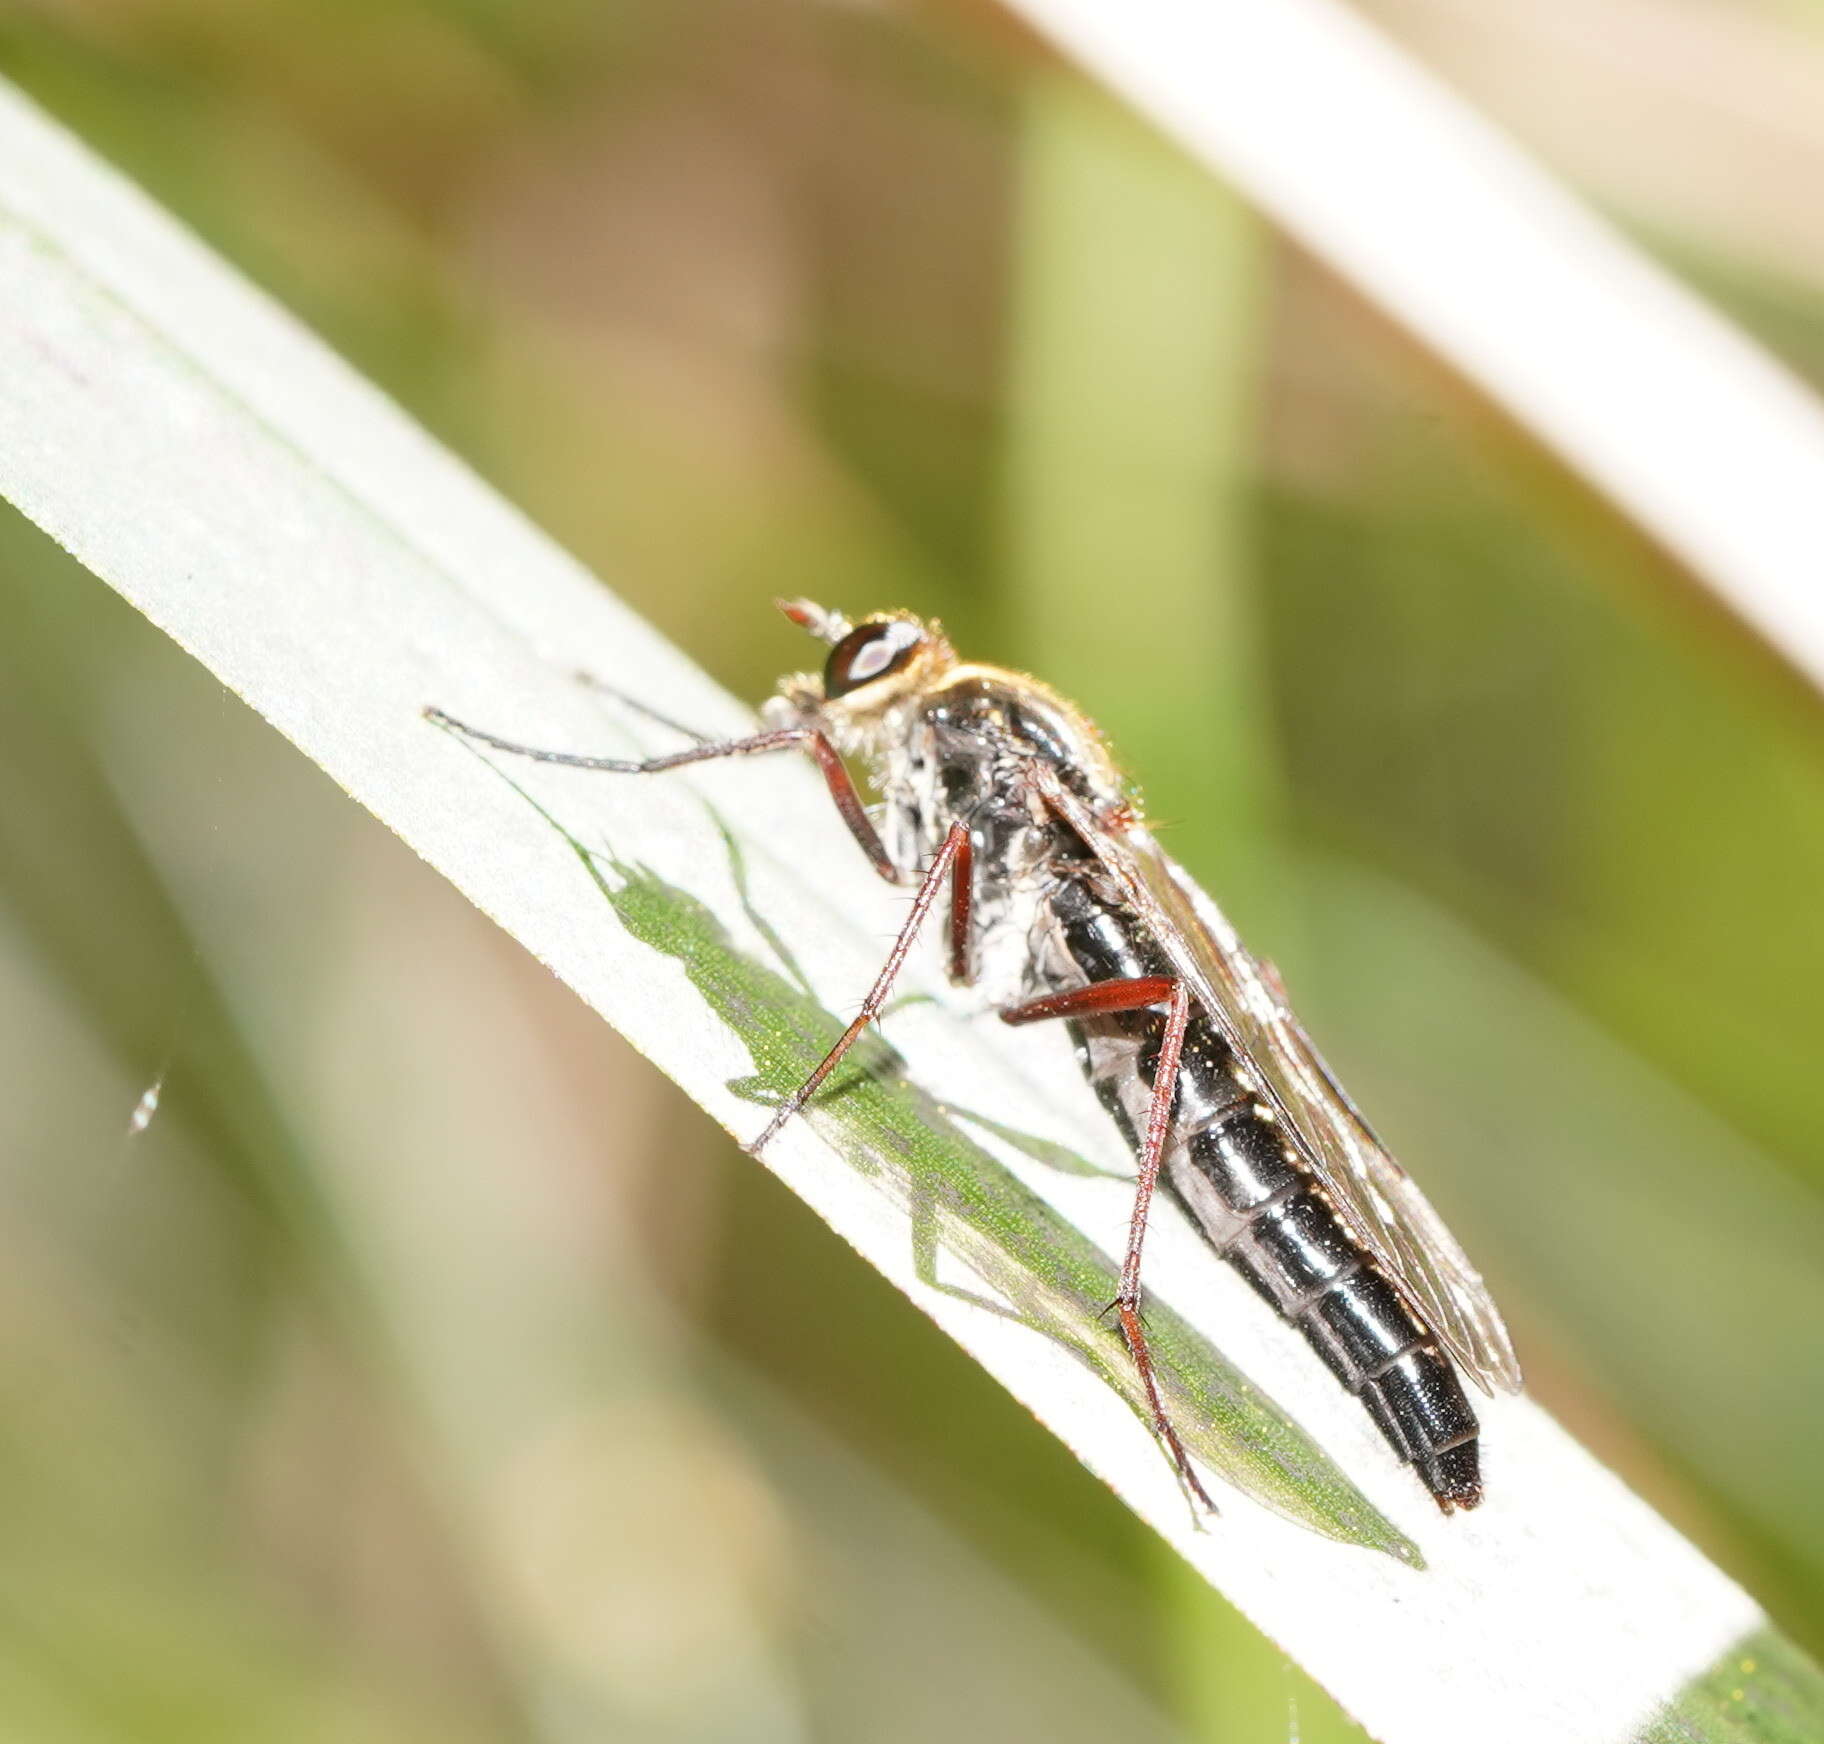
<point>1376,1199</point>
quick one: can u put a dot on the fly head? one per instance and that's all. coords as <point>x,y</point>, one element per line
<point>875,668</point>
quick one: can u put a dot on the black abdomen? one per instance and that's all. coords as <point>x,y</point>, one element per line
<point>1232,1167</point>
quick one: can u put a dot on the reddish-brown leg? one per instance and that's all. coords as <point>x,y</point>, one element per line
<point>1102,997</point>
<point>836,776</point>
<point>1095,1000</point>
<point>962,902</point>
<point>943,863</point>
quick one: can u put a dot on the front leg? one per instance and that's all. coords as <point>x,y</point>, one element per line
<point>836,776</point>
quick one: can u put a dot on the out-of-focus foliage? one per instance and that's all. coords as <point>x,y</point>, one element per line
<point>746,299</point>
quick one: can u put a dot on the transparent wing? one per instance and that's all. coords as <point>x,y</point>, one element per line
<point>1372,1194</point>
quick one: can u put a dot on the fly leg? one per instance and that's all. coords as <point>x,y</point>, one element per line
<point>962,901</point>
<point>1138,994</point>
<point>836,776</point>
<point>602,687</point>
<point>951,860</point>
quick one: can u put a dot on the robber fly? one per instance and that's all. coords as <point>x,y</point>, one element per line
<point>998,792</point>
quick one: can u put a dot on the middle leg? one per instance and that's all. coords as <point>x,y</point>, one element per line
<point>952,860</point>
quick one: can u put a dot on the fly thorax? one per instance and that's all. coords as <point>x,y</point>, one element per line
<point>1011,897</point>
<point>912,817</point>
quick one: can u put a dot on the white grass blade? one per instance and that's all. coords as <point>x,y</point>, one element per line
<point>334,567</point>
<point>1711,447</point>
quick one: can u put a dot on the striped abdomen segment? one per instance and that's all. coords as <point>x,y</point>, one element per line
<point>1235,1173</point>
<point>1231,1165</point>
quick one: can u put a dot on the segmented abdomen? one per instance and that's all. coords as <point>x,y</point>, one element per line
<point>1234,1169</point>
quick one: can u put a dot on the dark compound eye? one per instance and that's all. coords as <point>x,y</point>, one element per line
<point>868,653</point>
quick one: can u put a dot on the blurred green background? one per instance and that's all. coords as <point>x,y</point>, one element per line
<point>427,1367</point>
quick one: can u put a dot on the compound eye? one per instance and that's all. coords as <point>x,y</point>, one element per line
<point>868,653</point>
